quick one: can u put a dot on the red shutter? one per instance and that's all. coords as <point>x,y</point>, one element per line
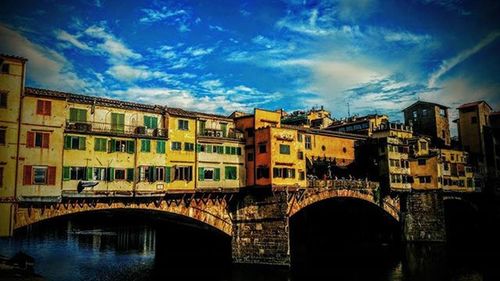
<point>45,140</point>
<point>48,108</point>
<point>27,175</point>
<point>52,175</point>
<point>39,107</point>
<point>30,142</point>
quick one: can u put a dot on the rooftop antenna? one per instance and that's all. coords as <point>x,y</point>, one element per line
<point>348,110</point>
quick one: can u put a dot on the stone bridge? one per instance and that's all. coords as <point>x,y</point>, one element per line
<point>257,218</point>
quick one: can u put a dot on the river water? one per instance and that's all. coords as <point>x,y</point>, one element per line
<point>119,249</point>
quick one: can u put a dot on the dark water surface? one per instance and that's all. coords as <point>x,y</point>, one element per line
<point>129,248</point>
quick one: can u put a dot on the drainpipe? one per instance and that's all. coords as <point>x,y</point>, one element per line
<point>19,121</point>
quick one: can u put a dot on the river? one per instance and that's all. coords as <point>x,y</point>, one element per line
<point>123,249</point>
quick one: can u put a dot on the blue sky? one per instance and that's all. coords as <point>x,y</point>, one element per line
<point>221,56</point>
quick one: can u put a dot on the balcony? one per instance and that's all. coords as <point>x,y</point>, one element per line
<point>342,184</point>
<point>216,133</point>
<point>102,128</point>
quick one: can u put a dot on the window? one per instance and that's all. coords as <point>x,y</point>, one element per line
<point>300,155</point>
<point>283,173</point>
<point>442,112</point>
<point>43,107</point>
<point>150,122</point>
<point>77,173</point>
<point>160,173</point>
<point>2,136</point>
<point>302,175</point>
<point>39,175</point>
<point>77,115</point>
<point>250,156</point>
<point>74,142</point>
<point>308,142</point>
<point>183,125</point>
<point>188,146</point>
<point>208,148</point>
<point>5,68</point>
<point>99,174</point>
<point>208,174</point>
<point>230,173</point>
<point>3,99</point>
<point>473,119</point>
<point>426,179</point>
<point>122,146</point>
<point>152,173</point>
<point>233,150</point>
<point>100,144</point>
<point>262,148</point>
<point>183,173</point>
<point>262,172</point>
<point>284,149</point>
<point>423,145</point>
<point>145,146</point>
<point>118,122</point>
<point>424,112</point>
<point>119,174</point>
<point>415,114</point>
<point>219,149</point>
<point>160,146</point>
<point>299,137</point>
<point>176,145</point>
<point>421,162</point>
<point>250,132</point>
<point>38,139</point>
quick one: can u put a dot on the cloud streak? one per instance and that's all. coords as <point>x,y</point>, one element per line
<point>448,64</point>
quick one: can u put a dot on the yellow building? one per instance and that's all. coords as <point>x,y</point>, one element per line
<point>12,73</point>
<point>220,153</point>
<point>181,153</point>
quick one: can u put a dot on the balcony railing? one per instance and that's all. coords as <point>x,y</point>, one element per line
<point>342,184</point>
<point>101,127</point>
<point>220,134</point>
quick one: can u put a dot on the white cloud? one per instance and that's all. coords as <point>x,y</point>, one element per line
<point>128,73</point>
<point>211,84</point>
<point>407,37</point>
<point>448,64</point>
<point>198,52</point>
<point>160,15</point>
<point>111,45</point>
<point>72,39</point>
<point>216,27</point>
<point>46,67</point>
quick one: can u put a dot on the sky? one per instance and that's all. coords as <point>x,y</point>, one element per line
<point>222,56</point>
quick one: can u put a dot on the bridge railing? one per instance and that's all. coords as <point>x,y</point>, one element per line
<point>342,184</point>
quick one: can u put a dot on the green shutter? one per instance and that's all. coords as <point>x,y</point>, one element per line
<point>217,174</point>
<point>154,122</point>
<point>198,147</point>
<point>145,145</point>
<point>73,115</point>
<point>238,150</point>
<point>201,174</point>
<point>89,173</point>
<point>228,150</point>
<point>160,146</point>
<point>220,149</point>
<point>147,121</point>
<point>130,147</point>
<point>167,174</point>
<point>67,142</point>
<point>82,115</point>
<point>66,175</point>
<point>117,122</point>
<point>111,174</point>
<point>230,173</point>
<point>81,143</point>
<point>208,149</point>
<point>97,144</point>
<point>130,174</point>
<point>112,145</point>
<point>224,129</point>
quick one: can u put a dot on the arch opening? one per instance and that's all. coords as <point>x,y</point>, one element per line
<point>463,223</point>
<point>333,236</point>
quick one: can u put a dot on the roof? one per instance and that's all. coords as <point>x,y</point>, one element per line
<point>13,57</point>
<point>471,104</point>
<point>92,100</point>
<point>193,114</point>
<point>425,102</point>
<point>324,132</point>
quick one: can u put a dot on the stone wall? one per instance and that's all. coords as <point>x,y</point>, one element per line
<point>260,229</point>
<point>423,217</point>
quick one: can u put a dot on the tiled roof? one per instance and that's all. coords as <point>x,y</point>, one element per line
<point>92,99</point>
<point>425,102</point>
<point>470,104</point>
<point>13,57</point>
<point>193,114</point>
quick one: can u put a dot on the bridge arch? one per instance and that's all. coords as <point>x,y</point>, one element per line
<point>390,205</point>
<point>213,213</point>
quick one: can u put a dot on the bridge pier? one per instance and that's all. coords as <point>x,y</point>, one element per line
<point>7,212</point>
<point>260,229</point>
<point>423,217</point>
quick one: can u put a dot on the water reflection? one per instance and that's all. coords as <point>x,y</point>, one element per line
<point>136,250</point>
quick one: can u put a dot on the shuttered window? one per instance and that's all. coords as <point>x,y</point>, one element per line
<point>39,175</point>
<point>284,149</point>
<point>100,144</point>
<point>74,142</point>
<point>160,146</point>
<point>150,122</point>
<point>230,173</point>
<point>118,122</point>
<point>43,107</point>
<point>37,139</point>
<point>77,115</point>
<point>176,145</point>
<point>145,145</point>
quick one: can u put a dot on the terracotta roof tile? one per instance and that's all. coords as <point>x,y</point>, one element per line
<point>475,103</point>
